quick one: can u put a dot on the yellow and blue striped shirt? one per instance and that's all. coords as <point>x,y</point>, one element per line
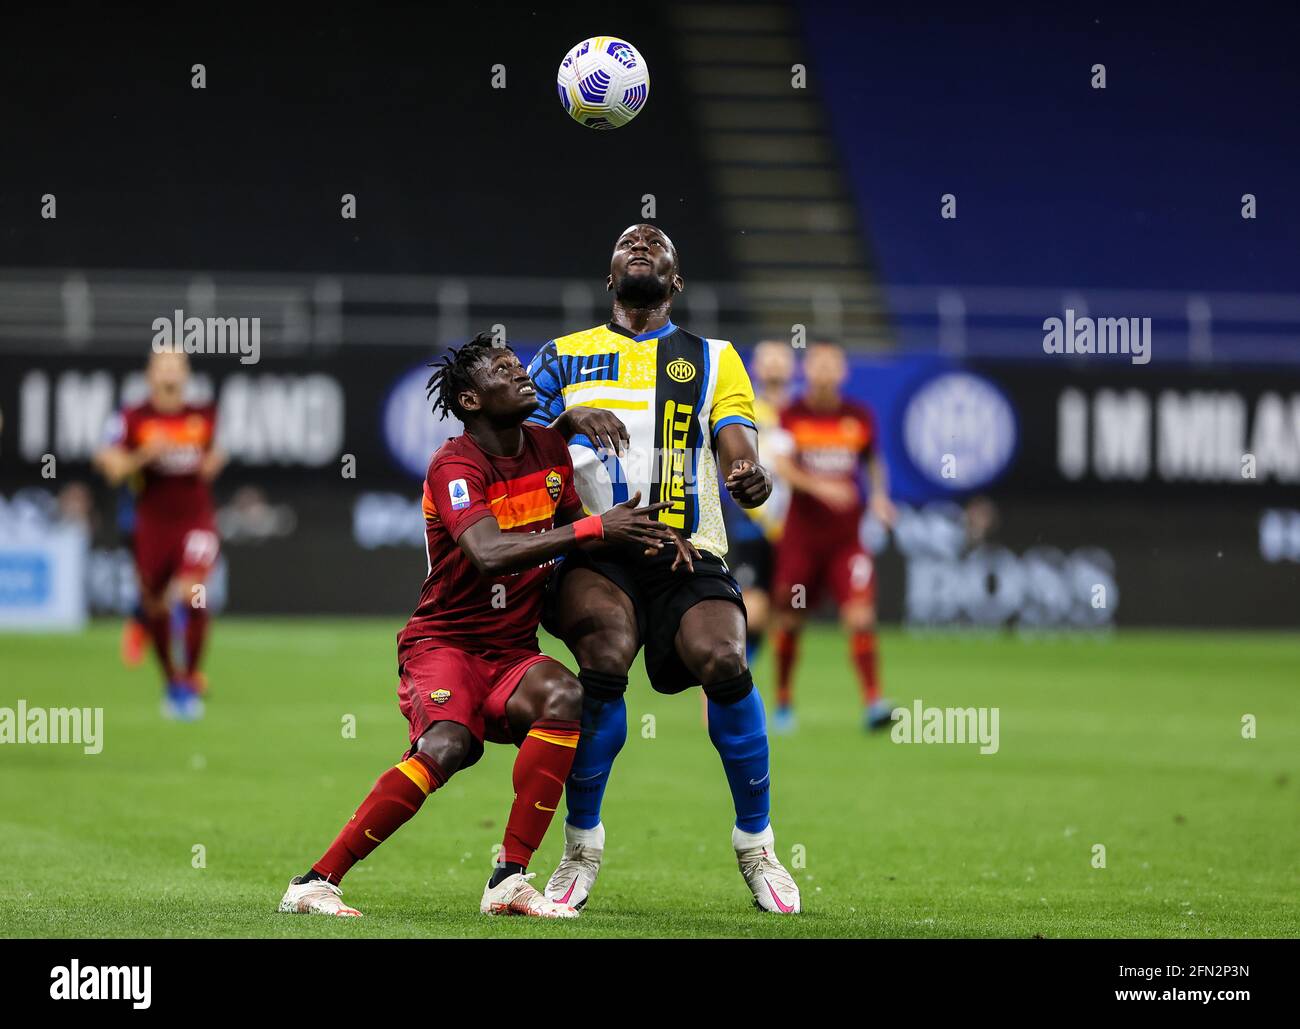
<point>674,391</point>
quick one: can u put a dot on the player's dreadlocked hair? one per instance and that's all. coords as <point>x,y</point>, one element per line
<point>452,373</point>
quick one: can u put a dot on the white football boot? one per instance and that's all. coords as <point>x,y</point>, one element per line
<point>317,897</point>
<point>774,888</point>
<point>575,875</point>
<point>514,895</point>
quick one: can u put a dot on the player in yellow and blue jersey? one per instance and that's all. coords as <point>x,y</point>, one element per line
<point>660,412</point>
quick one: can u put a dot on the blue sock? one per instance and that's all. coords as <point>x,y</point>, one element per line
<point>739,731</point>
<point>604,731</point>
<point>180,618</point>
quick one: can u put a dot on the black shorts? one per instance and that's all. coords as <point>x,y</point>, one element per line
<point>659,597</point>
<point>751,563</point>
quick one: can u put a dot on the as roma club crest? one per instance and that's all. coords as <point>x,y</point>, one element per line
<point>554,484</point>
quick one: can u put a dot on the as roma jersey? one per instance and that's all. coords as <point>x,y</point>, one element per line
<point>170,490</point>
<point>459,606</point>
<point>832,444</point>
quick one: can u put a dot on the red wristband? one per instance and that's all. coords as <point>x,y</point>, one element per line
<point>589,528</point>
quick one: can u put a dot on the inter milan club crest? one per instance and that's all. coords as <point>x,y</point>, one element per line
<point>681,370</point>
<point>553,484</point>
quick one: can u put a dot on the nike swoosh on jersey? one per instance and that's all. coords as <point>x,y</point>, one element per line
<point>542,807</point>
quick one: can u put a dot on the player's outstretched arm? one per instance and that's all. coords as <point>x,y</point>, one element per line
<point>214,462</point>
<point>112,463</point>
<point>604,428</point>
<point>747,481</point>
<point>878,476</point>
<point>117,463</point>
<point>494,552</point>
<point>834,493</point>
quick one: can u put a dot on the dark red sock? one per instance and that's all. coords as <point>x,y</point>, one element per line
<point>786,646</point>
<point>160,632</point>
<point>544,760</point>
<point>864,657</point>
<point>196,634</point>
<point>396,796</point>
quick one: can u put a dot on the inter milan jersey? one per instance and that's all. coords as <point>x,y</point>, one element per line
<point>832,444</point>
<point>459,605</point>
<point>674,391</point>
<point>170,488</point>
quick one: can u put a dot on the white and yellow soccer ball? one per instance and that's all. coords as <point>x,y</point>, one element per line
<point>603,82</point>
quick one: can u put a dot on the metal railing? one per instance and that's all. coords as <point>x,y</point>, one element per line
<point>1192,326</point>
<point>113,311</point>
<point>108,310</point>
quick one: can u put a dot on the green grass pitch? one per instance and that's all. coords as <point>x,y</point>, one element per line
<point>1133,742</point>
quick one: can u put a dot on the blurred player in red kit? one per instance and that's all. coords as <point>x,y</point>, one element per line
<point>499,507</point>
<point>824,441</point>
<point>165,449</point>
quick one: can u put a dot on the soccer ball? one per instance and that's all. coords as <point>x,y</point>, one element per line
<point>603,82</point>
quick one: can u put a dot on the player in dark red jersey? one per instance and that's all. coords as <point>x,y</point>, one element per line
<point>499,507</point>
<point>824,441</point>
<point>166,449</point>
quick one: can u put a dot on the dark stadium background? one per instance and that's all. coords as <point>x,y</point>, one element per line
<point>817,206</point>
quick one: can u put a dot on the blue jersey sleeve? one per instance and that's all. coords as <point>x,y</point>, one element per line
<point>544,370</point>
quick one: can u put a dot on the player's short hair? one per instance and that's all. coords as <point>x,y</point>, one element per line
<point>454,372</point>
